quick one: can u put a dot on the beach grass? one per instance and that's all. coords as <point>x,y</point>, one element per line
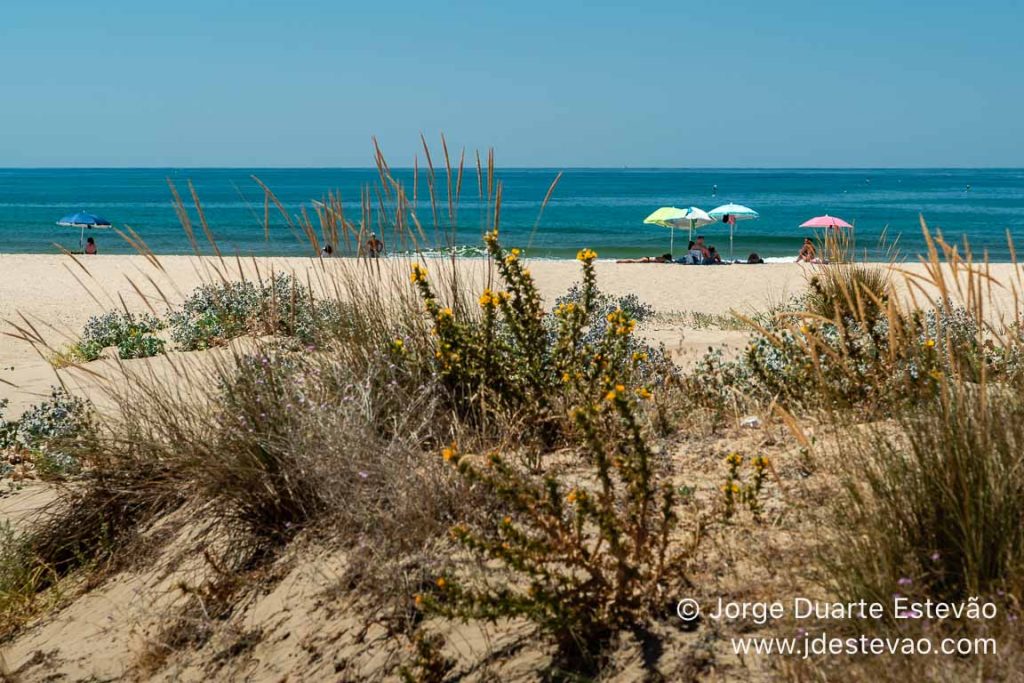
<point>481,456</point>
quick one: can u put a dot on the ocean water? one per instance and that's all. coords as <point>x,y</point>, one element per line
<point>599,208</point>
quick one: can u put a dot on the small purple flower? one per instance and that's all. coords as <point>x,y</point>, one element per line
<point>905,581</point>
<point>364,475</point>
<point>936,556</point>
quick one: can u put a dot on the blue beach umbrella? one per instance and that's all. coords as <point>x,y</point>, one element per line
<point>730,213</point>
<point>83,220</point>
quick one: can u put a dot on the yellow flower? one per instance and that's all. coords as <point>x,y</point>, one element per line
<point>419,273</point>
<point>566,378</point>
<point>936,375</point>
<point>642,392</point>
<point>586,255</point>
<point>734,458</point>
<point>610,396</point>
<point>487,298</point>
<point>441,583</point>
<point>516,252</point>
<point>619,388</point>
<point>418,599</point>
<point>573,495</point>
<point>448,453</point>
<point>526,272</point>
<point>637,356</point>
<point>929,343</point>
<point>760,462</point>
<point>804,329</point>
<point>507,520</point>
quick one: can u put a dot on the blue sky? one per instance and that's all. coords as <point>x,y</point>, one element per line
<point>711,83</point>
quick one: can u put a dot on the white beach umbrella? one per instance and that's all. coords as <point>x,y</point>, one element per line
<point>697,217</point>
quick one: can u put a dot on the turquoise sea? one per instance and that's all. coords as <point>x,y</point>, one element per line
<point>599,208</point>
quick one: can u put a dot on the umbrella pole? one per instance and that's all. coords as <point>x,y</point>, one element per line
<point>81,240</point>
<point>732,226</point>
<point>671,240</point>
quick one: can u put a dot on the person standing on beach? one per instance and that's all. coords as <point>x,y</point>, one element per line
<point>374,247</point>
<point>90,246</point>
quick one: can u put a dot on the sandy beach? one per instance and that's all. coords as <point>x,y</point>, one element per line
<point>55,296</point>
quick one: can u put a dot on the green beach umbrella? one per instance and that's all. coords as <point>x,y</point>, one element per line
<point>668,217</point>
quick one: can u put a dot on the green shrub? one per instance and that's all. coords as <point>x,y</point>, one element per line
<point>216,313</point>
<point>514,361</point>
<point>109,329</point>
<point>131,333</point>
<point>586,556</point>
<point>140,346</point>
<point>803,361</point>
<point>48,432</point>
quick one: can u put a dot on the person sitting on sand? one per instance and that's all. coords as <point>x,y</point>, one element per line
<point>90,246</point>
<point>696,253</point>
<point>754,258</point>
<point>327,251</point>
<point>713,257</point>
<point>807,252</point>
<point>664,258</point>
<point>701,247</point>
<point>374,247</point>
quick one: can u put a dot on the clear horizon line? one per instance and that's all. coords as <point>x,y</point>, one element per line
<point>522,168</point>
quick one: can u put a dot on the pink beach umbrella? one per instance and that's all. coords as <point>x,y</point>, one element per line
<point>826,221</point>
